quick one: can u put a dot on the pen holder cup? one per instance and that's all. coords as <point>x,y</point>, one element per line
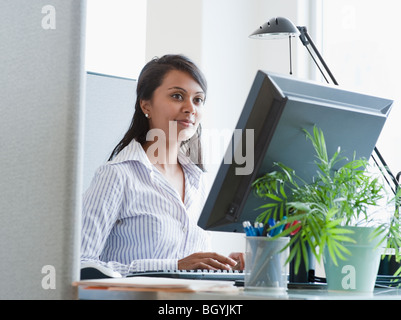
<point>265,267</point>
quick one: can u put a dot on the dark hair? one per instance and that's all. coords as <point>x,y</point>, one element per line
<point>150,78</point>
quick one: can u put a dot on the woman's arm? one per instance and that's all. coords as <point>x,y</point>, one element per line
<point>101,206</point>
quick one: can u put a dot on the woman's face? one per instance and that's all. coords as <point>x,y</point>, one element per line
<point>176,103</point>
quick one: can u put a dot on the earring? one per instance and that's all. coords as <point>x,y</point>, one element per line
<point>146,115</point>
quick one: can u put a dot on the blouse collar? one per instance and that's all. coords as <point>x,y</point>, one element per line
<point>135,152</point>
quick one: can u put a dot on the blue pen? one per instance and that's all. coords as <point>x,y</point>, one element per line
<point>280,229</point>
<point>259,228</point>
<point>249,230</point>
<point>253,232</point>
<point>256,225</point>
<point>246,229</point>
<point>271,223</point>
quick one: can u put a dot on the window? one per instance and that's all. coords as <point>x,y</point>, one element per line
<point>361,48</point>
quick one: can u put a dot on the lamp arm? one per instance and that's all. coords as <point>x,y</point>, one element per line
<point>395,179</point>
<point>306,41</point>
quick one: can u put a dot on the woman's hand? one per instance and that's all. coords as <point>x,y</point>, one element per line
<point>239,257</point>
<point>206,260</point>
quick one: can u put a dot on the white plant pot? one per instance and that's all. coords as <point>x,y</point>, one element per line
<point>359,271</point>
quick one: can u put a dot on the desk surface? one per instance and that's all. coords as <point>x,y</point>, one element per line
<point>240,294</point>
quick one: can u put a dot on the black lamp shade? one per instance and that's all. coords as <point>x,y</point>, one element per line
<point>275,28</point>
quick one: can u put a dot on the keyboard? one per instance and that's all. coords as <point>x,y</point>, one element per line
<point>228,275</point>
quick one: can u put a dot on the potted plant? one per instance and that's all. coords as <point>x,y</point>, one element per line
<point>332,214</point>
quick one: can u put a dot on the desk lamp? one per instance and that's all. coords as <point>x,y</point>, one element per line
<point>279,27</point>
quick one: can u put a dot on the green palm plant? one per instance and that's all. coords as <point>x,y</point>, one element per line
<point>339,196</point>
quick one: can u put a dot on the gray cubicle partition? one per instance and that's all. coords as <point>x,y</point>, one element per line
<point>42,82</point>
<point>110,104</point>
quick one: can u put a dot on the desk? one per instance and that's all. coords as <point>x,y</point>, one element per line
<point>240,294</point>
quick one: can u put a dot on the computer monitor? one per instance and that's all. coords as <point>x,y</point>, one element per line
<point>276,111</point>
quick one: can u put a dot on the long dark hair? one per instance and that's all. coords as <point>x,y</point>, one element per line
<point>150,78</point>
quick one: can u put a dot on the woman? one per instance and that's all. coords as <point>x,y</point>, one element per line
<point>141,210</point>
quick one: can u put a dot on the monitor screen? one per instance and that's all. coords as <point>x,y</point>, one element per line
<point>270,130</point>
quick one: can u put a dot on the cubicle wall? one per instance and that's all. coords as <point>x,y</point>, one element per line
<point>41,101</point>
<point>110,104</point>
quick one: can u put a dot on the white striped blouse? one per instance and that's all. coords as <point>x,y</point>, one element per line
<point>134,220</point>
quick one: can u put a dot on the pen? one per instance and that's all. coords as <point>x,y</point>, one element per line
<point>249,230</point>
<point>264,232</point>
<point>293,224</point>
<point>271,223</point>
<point>280,229</point>
<point>297,229</point>
<point>259,228</point>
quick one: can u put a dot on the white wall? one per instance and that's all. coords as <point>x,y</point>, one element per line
<point>116,37</point>
<point>174,26</point>
<point>215,35</point>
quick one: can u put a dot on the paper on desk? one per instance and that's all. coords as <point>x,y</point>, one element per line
<point>160,283</point>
